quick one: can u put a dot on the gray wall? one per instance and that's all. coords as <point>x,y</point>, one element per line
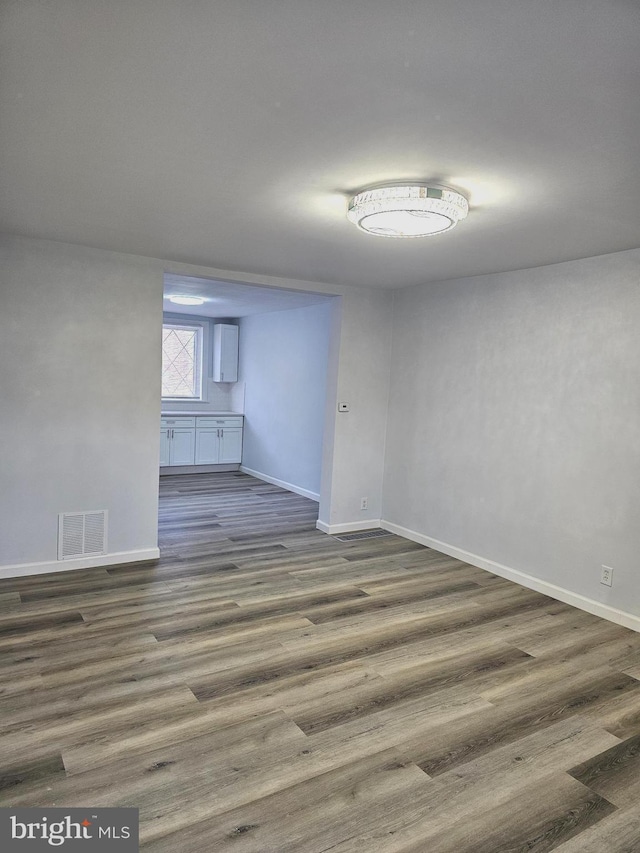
<point>514,404</point>
<point>283,363</point>
<point>359,375</point>
<point>514,423</point>
<point>80,335</point>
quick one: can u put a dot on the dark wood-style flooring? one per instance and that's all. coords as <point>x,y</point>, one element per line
<point>264,687</point>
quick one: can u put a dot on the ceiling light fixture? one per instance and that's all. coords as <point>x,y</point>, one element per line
<point>407,211</point>
<point>187,300</point>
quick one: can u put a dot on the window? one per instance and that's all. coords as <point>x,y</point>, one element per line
<point>182,361</point>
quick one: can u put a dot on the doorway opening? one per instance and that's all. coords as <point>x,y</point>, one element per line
<point>245,381</point>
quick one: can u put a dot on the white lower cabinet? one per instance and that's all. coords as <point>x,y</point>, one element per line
<point>165,447</point>
<point>183,445</point>
<point>207,446</point>
<point>202,440</point>
<point>218,441</point>
<point>177,441</point>
<point>230,445</point>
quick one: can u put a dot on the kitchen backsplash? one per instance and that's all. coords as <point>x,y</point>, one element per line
<point>237,397</point>
<point>223,397</point>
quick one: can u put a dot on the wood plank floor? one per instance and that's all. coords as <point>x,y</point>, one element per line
<point>264,687</point>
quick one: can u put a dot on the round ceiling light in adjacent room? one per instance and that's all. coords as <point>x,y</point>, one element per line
<point>417,210</point>
<point>180,299</point>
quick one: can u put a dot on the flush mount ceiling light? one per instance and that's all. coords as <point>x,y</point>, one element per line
<point>407,211</point>
<point>186,300</point>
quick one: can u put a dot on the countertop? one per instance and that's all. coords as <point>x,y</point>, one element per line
<point>169,414</point>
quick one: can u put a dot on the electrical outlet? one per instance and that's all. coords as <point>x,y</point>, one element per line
<point>364,503</point>
<point>607,576</point>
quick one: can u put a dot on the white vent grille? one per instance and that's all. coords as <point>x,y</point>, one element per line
<point>82,534</point>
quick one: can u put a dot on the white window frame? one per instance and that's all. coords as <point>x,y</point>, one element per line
<point>200,329</point>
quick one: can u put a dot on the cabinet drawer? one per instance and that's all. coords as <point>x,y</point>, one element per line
<point>177,423</point>
<point>208,423</point>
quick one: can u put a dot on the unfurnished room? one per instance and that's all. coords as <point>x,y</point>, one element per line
<point>320,407</point>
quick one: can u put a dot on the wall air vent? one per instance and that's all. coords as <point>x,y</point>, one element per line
<point>82,534</point>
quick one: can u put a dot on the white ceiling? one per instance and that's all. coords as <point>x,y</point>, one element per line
<point>229,133</point>
<point>230,300</point>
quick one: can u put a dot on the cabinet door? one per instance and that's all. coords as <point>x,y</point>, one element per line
<point>164,446</point>
<point>207,443</point>
<point>230,445</point>
<point>183,448</point>
<point>225,353</point>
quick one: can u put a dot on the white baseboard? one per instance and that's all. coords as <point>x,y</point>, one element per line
<point>172,470</point>
<point>20,570</point>
<point>347,527</point>
<point>290,487</point>
<point>620,617</point>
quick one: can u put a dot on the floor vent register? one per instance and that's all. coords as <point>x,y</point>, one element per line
<point>365,534</point>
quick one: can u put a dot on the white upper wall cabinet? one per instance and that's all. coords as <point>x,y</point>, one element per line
<point>225,353</point>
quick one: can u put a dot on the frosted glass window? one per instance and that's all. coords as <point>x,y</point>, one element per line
<point>181,362</point>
